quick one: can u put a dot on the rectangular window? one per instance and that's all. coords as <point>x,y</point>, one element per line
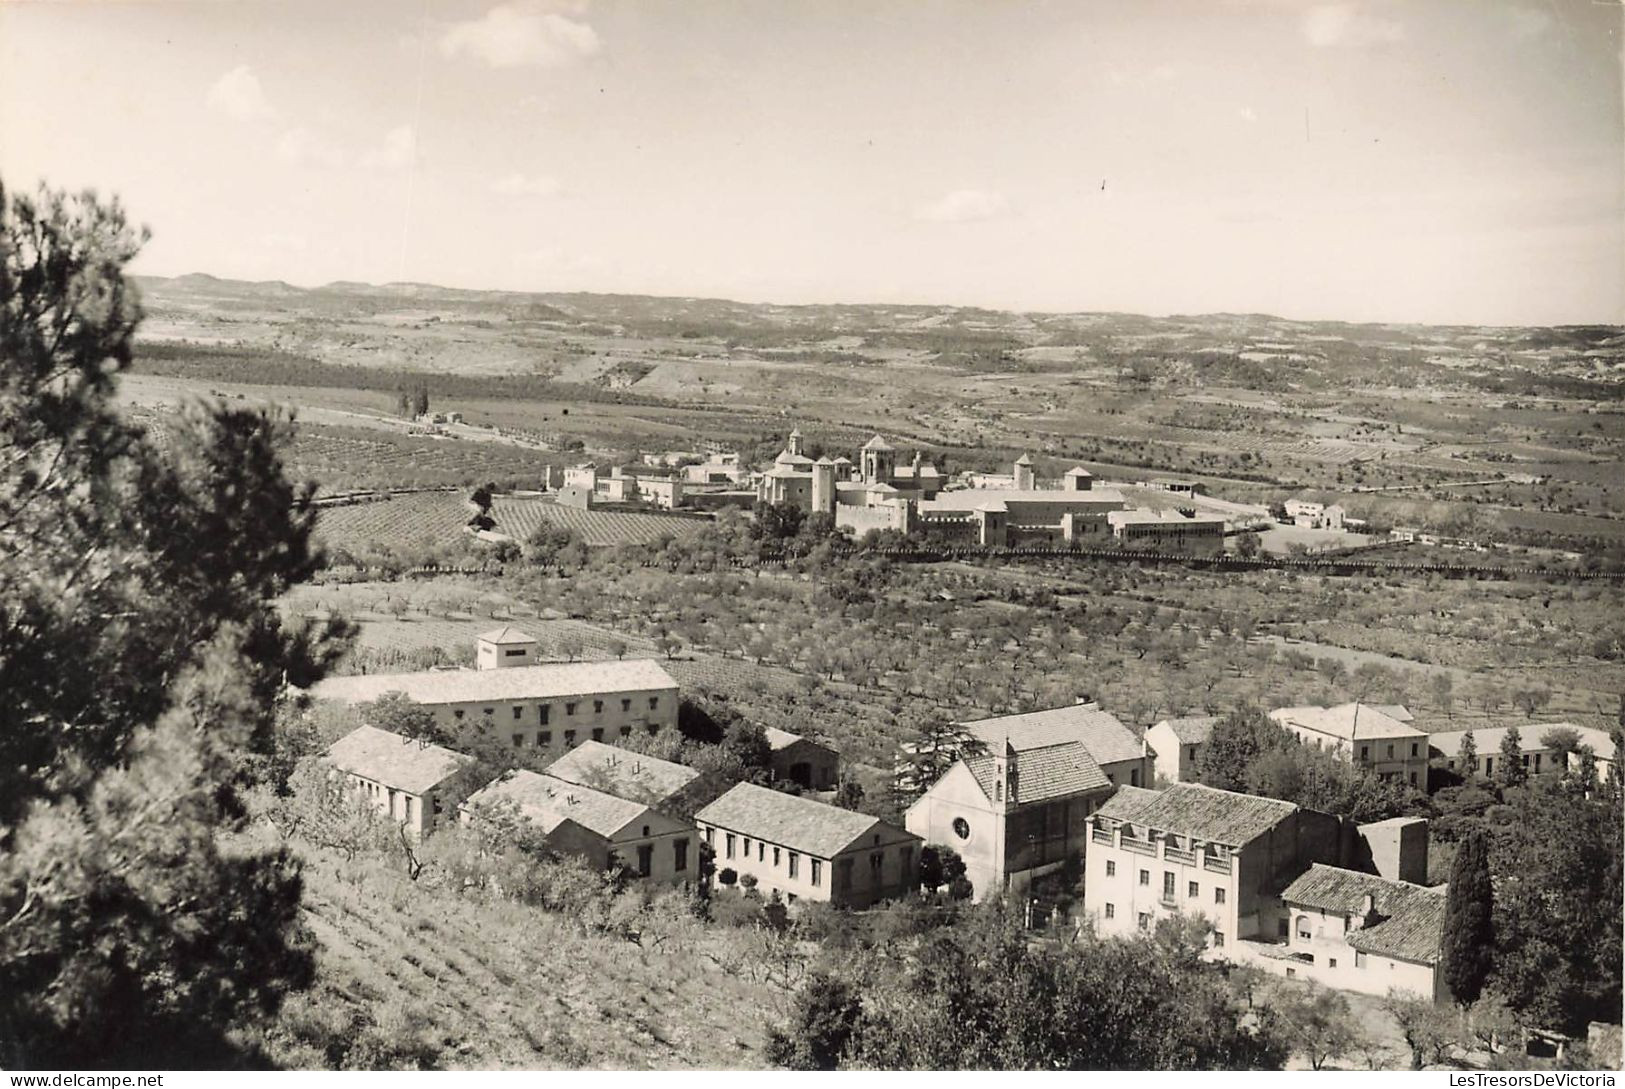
<point>569,708</point>
<point>520,653</point>
<point>817,873</point>
<point>1218,894</point>
<point>598,733</point>
<point>654,703</point>
<point>408,799</point>
<point>1111,911</point>
<point>569,737</point>
<point>1218,939</point>
<point>458,715</point>
<point>1145,920</point>
<point>1359,960</point>
<point>490,710</point>
<point>1133,776</point>
<point>1413,748</point>
<point>626,731</point>
<point>646,859</point>
<point>747,846</point>
<point>795,864</point>
<point>626,705</point>
<point>1168,885</point>
<point>1145,877</point>
<point>543,709</point>
<point>679,850</point>
<point>1331,962</point>
<point>1195,889</point>
<point>597,707</point>
<point>544,738</point>
<point>761,851</point>
<point>775,858</point>
<point>1111,868</point>
<point>518,740</point>
<point>1390,752</point>
<point>728,846</point>
<point>518,712</point>
<point>1365,753</point>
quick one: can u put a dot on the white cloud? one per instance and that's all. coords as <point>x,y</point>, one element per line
<point>302,147</point>
<point>521,33</point>
<point>963,206</point>
<point>238,94</point>
<point>1248,114</point>
<point>521,185</point>
<point>1345,24</point>
<point>399,150</point>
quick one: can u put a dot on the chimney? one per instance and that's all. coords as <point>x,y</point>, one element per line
<point>1368,912</point>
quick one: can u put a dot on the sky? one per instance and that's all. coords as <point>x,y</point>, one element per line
<point>1443,161</point>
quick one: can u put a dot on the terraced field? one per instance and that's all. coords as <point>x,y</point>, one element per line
<point>520,517</point>
<point>488,986</point>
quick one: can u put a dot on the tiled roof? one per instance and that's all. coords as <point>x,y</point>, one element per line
<point>622,773</point>
<point>782,739</point>
<point>548,802</point>
<point>506,635</point>
<point>1349,721</point>
<point>1395,710</point>
<point>1487,739</point>
<point>800,824</point>
<point>1199,812</point>
<point>1042,774</point>
<point>878,443</point>
<point>1106,738</point>
<point>1410,918</point>
<point>395,761</point>
<point>1192,729</point>
<point>537,682</point>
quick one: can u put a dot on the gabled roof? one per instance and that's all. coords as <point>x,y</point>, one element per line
<point>800,824</point>
<point>1409,920</point>
<point>1199,812</point>
<point>538,682</point>
<point>1349,721</point>
<point>782,739</point>
<point>1078,470</point>
<point>1024,459</point>
<point>621,772</point>
<point>395,761</point>
<point>548,802</point>
<point>1106,738</point>
<point>878,443</point>
<point>506,636</point>
<point>1043,773</point>
<point>1191,729</point>
<point>971,498</point>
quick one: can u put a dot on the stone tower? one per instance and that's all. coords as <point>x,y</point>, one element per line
<point>879,461</point>
<point>823,486</point>
<point>1024,473</point>
<point>795,443</point>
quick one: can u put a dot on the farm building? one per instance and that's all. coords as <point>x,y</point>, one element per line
<point>802,760</point>
<point>804,849</point>
<point>1538,755</point>
<point>607,831</point>
<point>548,706</point>
<point>416,784</point>
<point>1168,531</point>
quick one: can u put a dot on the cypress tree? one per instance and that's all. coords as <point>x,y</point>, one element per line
<point>1468,757</point>
<point>1512,772</point>
<point>1464,959</point>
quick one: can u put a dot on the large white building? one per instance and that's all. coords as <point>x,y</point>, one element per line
<point>1371,737</point>
<point>552,706</point>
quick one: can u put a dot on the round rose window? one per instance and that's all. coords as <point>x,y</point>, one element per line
<point>961,828</point>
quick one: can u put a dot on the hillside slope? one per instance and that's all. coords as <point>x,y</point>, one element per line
<point>412,976</point>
